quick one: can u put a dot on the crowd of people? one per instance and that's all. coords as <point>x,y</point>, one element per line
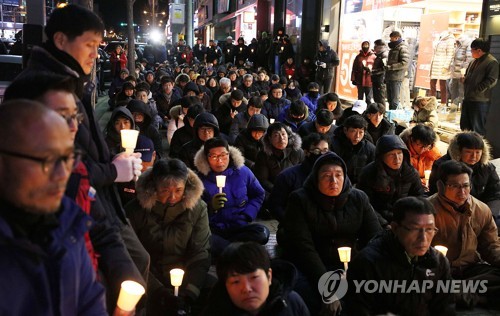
<point>79,214</point>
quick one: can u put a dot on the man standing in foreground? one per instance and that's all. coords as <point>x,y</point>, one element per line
<point>42,248</point>
<point>73,36</point>
<point>480,77</point>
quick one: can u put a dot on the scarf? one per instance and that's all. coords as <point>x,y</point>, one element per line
<point>396,43</point>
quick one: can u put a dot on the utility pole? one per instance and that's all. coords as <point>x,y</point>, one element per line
<point>154,14</point>
<point>189,22</point>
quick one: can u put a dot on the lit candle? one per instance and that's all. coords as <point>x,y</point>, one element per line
<point>289,76</point>
<point>176,276</point>
<point>241,49</point>
<point>282,48</point>
<point>427,175</point>
<point>345,255</point>
<point>130,293</point>
<point>442,249</point>
<point>178,48</point>
<point>228,51</point>
<point>364,63</point>
<point>462,71</point>
<point>129,139</point>
<point>251,50</point>
<point>271,120</point>
<point>221,182</point>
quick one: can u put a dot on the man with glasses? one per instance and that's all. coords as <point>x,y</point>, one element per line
<point>42,232</point>
<point>421,141</point>
<point>73,36</point>
<point>233,208</point>
<point>404,255</point>
<point>467,229</point>
<point>480,77</point>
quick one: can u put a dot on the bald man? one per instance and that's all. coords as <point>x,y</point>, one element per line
<point>42,249</point>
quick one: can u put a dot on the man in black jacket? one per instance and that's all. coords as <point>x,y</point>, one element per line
<point>74,34</point>
<point>402,255</point>
<point>326,59</point>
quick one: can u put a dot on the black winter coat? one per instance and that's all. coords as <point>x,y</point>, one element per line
<point>384,128</point>
<point>249,147</point>
<point>181,136</point>
<point>384,187</point>
<point>385,259</point>
<point>316,225</point>
<point>355,157</point>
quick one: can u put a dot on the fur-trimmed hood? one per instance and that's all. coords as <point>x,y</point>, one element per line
<point>227,96</point>
<point>426,103</point>
<point>146,192</point>
<point>454,150</point>
<point>201,160</point>
<point>294,141</point>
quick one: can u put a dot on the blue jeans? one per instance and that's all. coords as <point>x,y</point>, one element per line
<point>473,117</point>
<point>393,90</point>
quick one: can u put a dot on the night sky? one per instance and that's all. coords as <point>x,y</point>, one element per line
<point>115,12</point>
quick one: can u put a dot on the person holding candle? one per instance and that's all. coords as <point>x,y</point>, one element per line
<point>326,213</point>
<point>200,51</point>
<point>250,284</point>
<point>233,211</point>
<point>214,53</point>
<point>240,121</point>
<point>403,253</point>
<point>421,141</point>
<point>276,102</point>
<point>73,36</point>
<point>467,229</point>
<point>240,52</point>
<point>227,51</point>
<point>171,220</point>
<point>42,246</point>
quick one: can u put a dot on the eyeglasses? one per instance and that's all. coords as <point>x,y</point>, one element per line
<point>318,151</point>
<point>78,117</point>
<point>206,129</point>
<point>49,164</point>
<point>429,231</point>
<point>458,186</point>
<point>222,156</point>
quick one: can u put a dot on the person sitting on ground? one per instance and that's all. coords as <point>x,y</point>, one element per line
<point>177,114</point>
<point>311,97</point>
<point>281,150</point>
<point>314,145</point>
<point>186,133</point>
<point>224,87</point>
<point>171,221</point>
<point>232,211</point>
<point>166,97</point>
<point>117,83</point>
<point>250,284</point>
<point>378,125</point>
<point>261,83</point>
<point>247,87</point>
<point>389,177</point>
<point>358,108</point>
<point>350,144</point>
<point>276,102</point>
<point>331,102</point>
<point>230,107</point>
<point>143,120</point>
<point>467,229</point>
<point>425,112</point>
<point>142,93</point>
<point>316,224</point>
<point>42,245</point>
<point>402,254</point>
<point>241,119</point>
<point>205,127</point>
<point>473,150</point>
<point>121,98</point>
<point>295,115</point>
<point>249,141</point>
<point>421,141</point>
<point>292,91</point>
<point>322,124</point>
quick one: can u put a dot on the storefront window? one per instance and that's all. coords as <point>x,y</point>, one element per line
<point>422,24</point>
<point>293,22</point>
